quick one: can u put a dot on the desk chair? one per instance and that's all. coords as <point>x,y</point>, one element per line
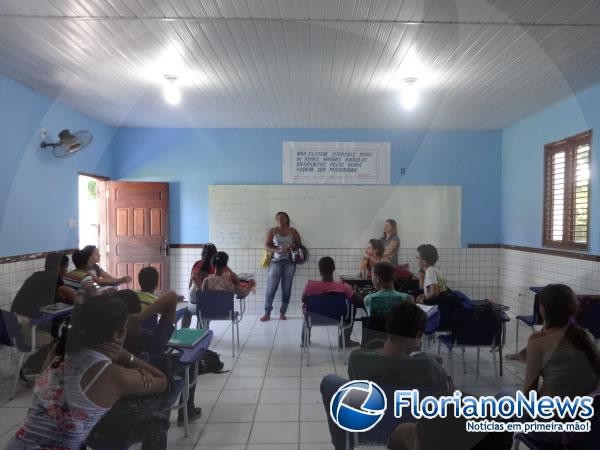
<point>326,310</point>
<point>380,433</point>
<point>218,305</point>
<point>10,336</point>
<point>531,319</point>
<point>482,327</point>
<point>588,316</point>
<point>571,441</point>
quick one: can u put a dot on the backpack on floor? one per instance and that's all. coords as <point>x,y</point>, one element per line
<point>211,363</point>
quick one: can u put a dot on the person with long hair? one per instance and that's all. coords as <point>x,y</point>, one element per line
<point>372,255</point>
<point>224,279</point>
<point>390,241</point>
<point>200,270</point>
<point>562,354</point>
<point>99,275</point>
<point>84,376</point>
<point>203,267</point>
<point>280,241</point>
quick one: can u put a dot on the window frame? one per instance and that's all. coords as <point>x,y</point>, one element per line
<point>569,146</point>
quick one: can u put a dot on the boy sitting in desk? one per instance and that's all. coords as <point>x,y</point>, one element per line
<point>327,285</point>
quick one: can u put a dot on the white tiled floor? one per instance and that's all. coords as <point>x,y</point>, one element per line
<point>270,399</point>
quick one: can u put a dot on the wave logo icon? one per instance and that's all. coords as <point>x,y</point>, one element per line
<point>358,406</point>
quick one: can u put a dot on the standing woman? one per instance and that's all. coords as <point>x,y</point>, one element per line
<point>280,241</point>
<point>391,242</point>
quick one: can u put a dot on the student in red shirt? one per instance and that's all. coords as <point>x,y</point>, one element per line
<point>200,270</point>
<point>327,285</point>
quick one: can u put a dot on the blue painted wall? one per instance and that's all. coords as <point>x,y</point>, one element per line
<point>192,159</point>
<point>523,169</point>
<point>38,193</point>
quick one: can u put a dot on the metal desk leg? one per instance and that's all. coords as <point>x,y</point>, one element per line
<point>502,341</point>
<point>186,395</point>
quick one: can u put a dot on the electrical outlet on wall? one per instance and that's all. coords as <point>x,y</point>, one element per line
<point>72,222</point>
<point>44,133</point>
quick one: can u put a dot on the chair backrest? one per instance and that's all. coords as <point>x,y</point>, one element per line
<point>588,316</point>
<point>215,305</point>
<point>326,309</point>
<point>481,325</point>
<point>9,329</point>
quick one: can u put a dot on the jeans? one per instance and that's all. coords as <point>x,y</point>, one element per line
<point>279,270</point>
<point>329,385</point>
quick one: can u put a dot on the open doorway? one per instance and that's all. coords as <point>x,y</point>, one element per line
<point>92,211</point>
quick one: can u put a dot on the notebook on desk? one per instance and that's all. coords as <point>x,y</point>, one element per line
<point>56,307</point>
<point>187,337</point>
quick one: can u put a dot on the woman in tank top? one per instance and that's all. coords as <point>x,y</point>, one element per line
<point>85,375</point>
<point>279,241</point>
<point>562,354</point>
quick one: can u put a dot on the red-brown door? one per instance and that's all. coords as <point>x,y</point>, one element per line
<point>138,230</point>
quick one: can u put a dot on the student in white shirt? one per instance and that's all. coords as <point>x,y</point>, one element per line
<point>431,279</point>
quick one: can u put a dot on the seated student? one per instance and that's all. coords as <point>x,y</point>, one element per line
<point>148,279</point>
<point>328,285</point>
<point>200,270</point>
<point>150,342</point>
<point>395,364</point>
<point>87,373</point>
<point>371,256</point>
<point>80,279</point>
<point>99,275</point>
<point>562,354</point>
<point>431,280</point>
<point>224,279</point>
<point>381,302</point>
<point>203,267</point>
<point>435,289</point>
<point>43,288</point>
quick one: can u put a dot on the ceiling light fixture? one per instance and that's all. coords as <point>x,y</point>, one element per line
<point>171,92</point>
<point>409,95</point>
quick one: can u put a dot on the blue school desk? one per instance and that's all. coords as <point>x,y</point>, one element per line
<point>190,357</point>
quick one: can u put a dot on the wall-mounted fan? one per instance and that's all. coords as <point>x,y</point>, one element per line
<point>69,143</point>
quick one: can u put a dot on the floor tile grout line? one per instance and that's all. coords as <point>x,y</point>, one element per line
<point>262,385</point>
<point>240,350</point>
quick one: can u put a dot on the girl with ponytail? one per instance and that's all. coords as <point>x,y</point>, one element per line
<point>224,279</point>
<point>85,375</point>
<point>563,354</point>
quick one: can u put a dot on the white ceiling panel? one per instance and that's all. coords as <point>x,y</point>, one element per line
<point>303,63</point>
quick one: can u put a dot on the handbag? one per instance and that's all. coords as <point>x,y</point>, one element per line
<point>266,259</point>
<point>299,255</point>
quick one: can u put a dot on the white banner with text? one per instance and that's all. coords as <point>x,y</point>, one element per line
<point>336,162</point>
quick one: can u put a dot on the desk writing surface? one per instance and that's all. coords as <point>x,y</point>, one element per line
<point>53,315</point>
<point>193,354</point>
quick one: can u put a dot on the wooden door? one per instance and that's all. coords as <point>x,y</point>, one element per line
<point>138,230</point>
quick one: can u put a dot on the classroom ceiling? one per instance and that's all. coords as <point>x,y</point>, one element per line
<point>303,63</point>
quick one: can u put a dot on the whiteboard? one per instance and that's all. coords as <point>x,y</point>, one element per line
<point>335,216</point>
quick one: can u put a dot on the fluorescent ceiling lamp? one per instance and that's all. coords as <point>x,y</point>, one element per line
<point>171,92</point>
<point>409,95</point>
